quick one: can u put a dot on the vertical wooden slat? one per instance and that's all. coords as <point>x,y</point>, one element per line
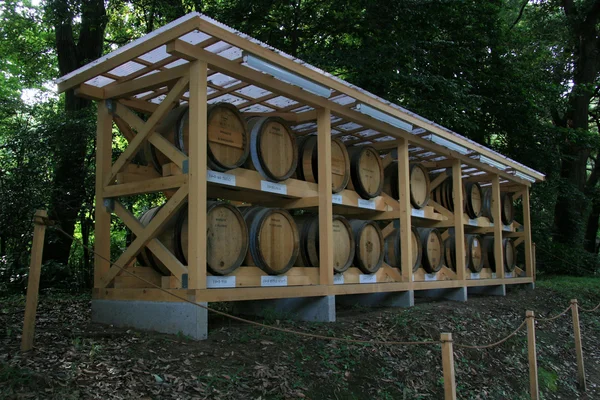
<point>405,211</point>
<point>33,280</point>
<point>325,199</point>
<point>534,390</point>
<point>102,214</point>
<point>496,204</point>
<point>448,366</point>
<point>529,264</point>
<point>459,227</point>
<point>197,177</point>
<point>578,346</point>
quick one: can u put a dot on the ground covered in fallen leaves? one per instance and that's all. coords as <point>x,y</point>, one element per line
<point>75,359</point>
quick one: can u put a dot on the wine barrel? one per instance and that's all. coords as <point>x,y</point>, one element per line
<point>273,149</point>
<point>393,249</point>
<point>274,239</point>
<point>366,171</point>
<point>473,252</point>
<point>474,201</point>
<point>308,165</point>
<point>509,250</point>
<point>507,212</point>
<point>226,238</point>
<point>228,141</point>
<point>343,242</point>
<point>419,184</point>
<point>487,203</point>
<point>432,244</point>
<point>368,239</point>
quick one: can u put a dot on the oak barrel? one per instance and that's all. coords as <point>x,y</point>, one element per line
<point>419,184</point>
<point>343,242</point>
<point>509,250</point>
<point>432,244</point>
<point>228,139</point>
<point>474,200</point>
<point>393,248</point>
<point>226,238</point>
<point>274,239</point>
<point>473,252</point>
<point>273,148</point>
<point>369,243</point>
<point>308,165</point>
<point>366,171</point>
<point>507,212</point>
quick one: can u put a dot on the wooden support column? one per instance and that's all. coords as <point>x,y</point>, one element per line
<point>102,214</point>
<point>197,177</point>
<point>405,211</point>
<point>534,390</point>
<point>496,210</point>
<point>448,366</point>
<point>529,264</point>
<point>325,201</point>
<point>459,227</point>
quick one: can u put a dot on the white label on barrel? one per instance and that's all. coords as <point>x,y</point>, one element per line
<point>367,278</point>
<point>273,280</point>
<point>493,275</point>
<point>430,277</point>
<point>338,279</point>
<point>491,224</point>
<point>273,187</point>
<point>215,282</point>
<point>508,275</point>
<point>475,275</point>
<point>336,199</point>
<point>219,177</point>
<point>507,228</point>
<point>370,204</point>
<point>418,213</point>
<point>473,222</point>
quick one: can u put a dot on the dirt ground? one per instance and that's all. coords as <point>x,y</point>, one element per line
<point>75,359</point>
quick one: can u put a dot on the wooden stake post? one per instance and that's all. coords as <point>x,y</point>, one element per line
<point>448,366</point>
<point>578,347</point>
<point>33,281</point>
<point>532,355</point>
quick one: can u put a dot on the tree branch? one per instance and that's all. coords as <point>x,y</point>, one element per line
<point>520,14</point>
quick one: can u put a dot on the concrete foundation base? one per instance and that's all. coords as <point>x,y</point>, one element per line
<point>496,290</point>
<point>160,316</point>
<point>393,299</point>
<point>454,294</point>
<point>315,309</point>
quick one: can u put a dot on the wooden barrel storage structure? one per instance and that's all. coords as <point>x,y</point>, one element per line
<point>368,239</point>
<point>393,249</point>
<point>473,252</point>
<point>419,184</point>
<point>509,250</point>
<point>432,244</point>
<point>226,238</point>
<point>274,239</point>
<point>273,148</point>
<point>343,242</point>
<point>366,171</point>
<point>308,164</point>
<point>228,140</point>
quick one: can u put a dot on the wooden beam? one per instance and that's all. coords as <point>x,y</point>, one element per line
<point>496,213</point>
<point>159,220</point>
<point>529,263</point>
<point>439,179</point>
<point>441,209</point>
<point>459,227</point>
<point>405,212</point>
<point>146,83</point>
<point>148,128</point>
<point>146,186</point>
<point>326,242</point>
<point>197,171</point>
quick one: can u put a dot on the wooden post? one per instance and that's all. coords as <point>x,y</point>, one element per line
<point>533,373</point>
<point>102,214</point>
<point>578,347</point>
<point>325,197</point>
<point>33,281</point>
<point>496,205</point>
<point>448,366</point>
<point>197,177</point>
<point>534,269</point>
<point>405,211</point>
<point>459,227</point>
<point>529,264</point>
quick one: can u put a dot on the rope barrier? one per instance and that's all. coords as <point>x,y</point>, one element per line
<point>590,310</point>
<point>554,317</point>
<point>498,343</point>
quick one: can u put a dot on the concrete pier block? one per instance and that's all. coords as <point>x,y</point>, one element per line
<point>454,294</point>
<point>158,316</point>
<point>392,299</point>
<point>314,309</point>
<point>495,290</point>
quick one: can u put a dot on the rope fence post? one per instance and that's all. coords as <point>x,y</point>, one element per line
<point>448,366</point>
<point>33,280</point>
<point>533,372</point>
<point>578,347</point>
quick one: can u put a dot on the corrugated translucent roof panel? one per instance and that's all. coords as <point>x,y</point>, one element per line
<point>253,91</point>
<point>257,108</point>
<point>281,102</point>
<point>195,37</point>
<point>126,69</point>
<point>158,54</point>
<point>228,98</point>
<point>100,81</point>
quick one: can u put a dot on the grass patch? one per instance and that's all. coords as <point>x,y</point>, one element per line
<point>584,289</point>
